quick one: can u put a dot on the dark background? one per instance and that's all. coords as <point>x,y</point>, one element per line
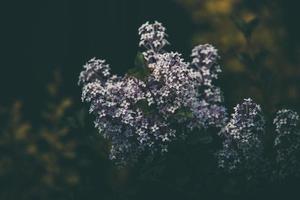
<point>39,36</point>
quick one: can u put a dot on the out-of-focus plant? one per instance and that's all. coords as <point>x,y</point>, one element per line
<point>253,42</point>
<point>51,158</point>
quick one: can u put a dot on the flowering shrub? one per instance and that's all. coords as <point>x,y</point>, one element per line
<point>243,149</point>
<point>169,98</point>
<point>140,114</point>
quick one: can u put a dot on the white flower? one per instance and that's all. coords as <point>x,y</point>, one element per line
<point>243,139</point>
<point>135,115</point>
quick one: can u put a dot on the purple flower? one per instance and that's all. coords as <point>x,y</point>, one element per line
<point>95,69</point>
<point>137,116</point>
<point>287,143</point>
<point>243,146</point>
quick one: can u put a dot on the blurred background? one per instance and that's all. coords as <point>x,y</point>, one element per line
<point>48,146</point>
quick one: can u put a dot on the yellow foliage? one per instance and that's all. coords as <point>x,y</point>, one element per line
<point>45,147</point>
<point>218,17</point>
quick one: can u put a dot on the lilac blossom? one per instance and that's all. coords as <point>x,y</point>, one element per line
<point>287,143</point>
<point>205,59</point>
<point>94,70</point>
<point>153,36</point>
<point>242,146</point>
<point>138,116</point>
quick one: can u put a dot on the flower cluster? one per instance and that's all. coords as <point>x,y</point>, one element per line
<point>115,102</point>
<point>144,115</point>
<point>242,147</point>
<point>205,60</point>
<point>175,87</point>
<point>140,116</point>
<point>94,70</point>
<point>287,143</point>
<point>152,38</point>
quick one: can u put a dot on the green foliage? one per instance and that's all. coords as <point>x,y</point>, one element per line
<point>253,38</point>
<point>139,61</point>
<point>51,159</point>
<point>140,71</point>
<point>145,108</point>
<point>246,27</point>
<point>183,114</point>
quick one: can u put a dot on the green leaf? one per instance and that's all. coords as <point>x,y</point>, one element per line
<point>184,113</point>
<point>252,24</point>
<point>140,61</point>
<point>246,28</point>
<point>139,73</point>
<point>246,59</point>
<point>144,107</point>
<point>141,70</point>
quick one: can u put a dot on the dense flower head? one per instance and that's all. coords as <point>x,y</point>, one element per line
<point>205,59</point>
<point>243,146</point>
<point>121,121</point>
<point>153,36</point>
<point>178,84</point>
<point>285,122</point>
<point>172,83</point>
<point>247,120</point>
<point>95,69</point>
<point>140,115</point>
<point>287,143</point>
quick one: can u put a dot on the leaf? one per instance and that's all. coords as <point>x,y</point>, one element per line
<point>261,56</point>
<point>139,73</point>
<point>139,61</point>
<point>184,113</point>
<point>246,28</point>
<point>246,59</point>
<point>144,107</point>
<point>252,24</point>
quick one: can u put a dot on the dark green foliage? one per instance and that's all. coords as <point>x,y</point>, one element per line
<point>140,71</point>
<point>246,28</point>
